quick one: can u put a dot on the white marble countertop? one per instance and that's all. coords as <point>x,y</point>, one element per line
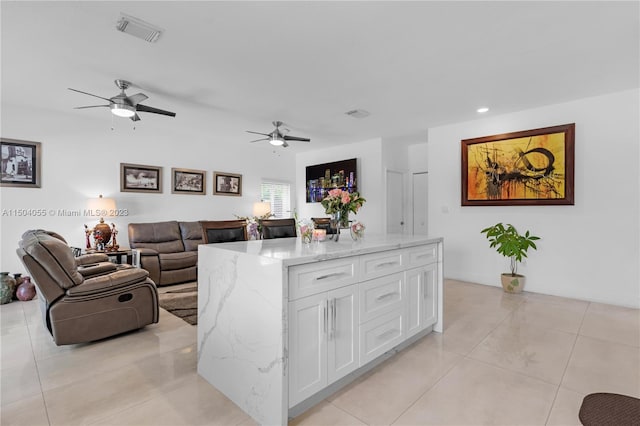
<point>292,251</point>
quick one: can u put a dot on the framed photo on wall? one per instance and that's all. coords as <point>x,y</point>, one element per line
<point>139,178</point>
<point>227,184</point>
<point>186,181</point>
<point>21,163</point>
<point>532,167</point>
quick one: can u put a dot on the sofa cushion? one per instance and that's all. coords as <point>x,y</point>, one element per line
<point>191,233</point>
<point>172,261</point>
<point>163,237</point>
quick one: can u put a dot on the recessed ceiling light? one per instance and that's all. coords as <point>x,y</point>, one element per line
<point>482,109</point>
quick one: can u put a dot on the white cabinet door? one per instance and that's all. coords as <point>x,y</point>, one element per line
<point>308,329</point>
<point>430,295</point>
<point>414,322</point>
<point>422,300</point>
<point>342,346</point>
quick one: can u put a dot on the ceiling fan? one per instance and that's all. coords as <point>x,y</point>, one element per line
<point>126,106</point>
<point>278,137</point>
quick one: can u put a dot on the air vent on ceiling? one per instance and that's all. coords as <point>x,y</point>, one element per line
<point>138,28</point>
<point>358,113</point>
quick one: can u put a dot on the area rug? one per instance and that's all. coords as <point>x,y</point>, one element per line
<point>182,303</point>
<point>609,409</point>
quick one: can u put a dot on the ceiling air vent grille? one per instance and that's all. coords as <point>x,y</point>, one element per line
<point>358,113</point>
<point>138,28</point>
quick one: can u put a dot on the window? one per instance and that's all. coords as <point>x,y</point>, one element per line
<point>279,194</point>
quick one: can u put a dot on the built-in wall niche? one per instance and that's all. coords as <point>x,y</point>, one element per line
<point>322,178</point>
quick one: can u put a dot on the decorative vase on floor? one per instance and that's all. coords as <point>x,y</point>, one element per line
<point>19,279</point>
<point>7,288</point>
<point>26,290</point>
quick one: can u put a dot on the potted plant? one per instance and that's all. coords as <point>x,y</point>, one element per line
<point>510,243</point>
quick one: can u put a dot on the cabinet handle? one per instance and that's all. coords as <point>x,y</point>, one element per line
<point>387,333</point>
<point>424,284</point>
<point>325,317</point>
<point>335,274</point>
<point>334,313</point>
<point>385,264</point>
<point>384,296</point>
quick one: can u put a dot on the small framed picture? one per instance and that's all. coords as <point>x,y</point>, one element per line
<point>186,181</point>
<point>139,178</point>
<point>227,184</point>
<point>20,163</point>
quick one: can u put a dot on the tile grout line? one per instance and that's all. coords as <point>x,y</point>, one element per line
<point>453,365</point>
<point>35,362</point>
<point>564,372</point>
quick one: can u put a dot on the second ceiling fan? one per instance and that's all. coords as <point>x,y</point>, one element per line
<point>278,136</point>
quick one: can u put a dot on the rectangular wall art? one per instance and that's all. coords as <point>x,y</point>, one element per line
<point>227,184</point>
<point>533,167</point>
<point>187,181</point>
<point>321,178</point>
<point>20,163</point>
<point>139,178</point>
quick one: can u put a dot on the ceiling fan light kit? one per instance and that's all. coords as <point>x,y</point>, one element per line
<point>126,111</point>
<point>277,137</point>
<point>125,106</point>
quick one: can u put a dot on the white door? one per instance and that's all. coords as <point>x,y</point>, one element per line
<point>395,202</point>
<point>419,203</point>
<point>308,330</point>
<point>342,347</point>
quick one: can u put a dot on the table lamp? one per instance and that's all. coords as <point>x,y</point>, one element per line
<point>102,207</point>
<point>261,209</point>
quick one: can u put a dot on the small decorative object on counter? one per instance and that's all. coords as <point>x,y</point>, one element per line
<point>26,290</point>
<point>319,235</point>
<point>7,288</point>
<point>306,231</point>
<point>357,231</point>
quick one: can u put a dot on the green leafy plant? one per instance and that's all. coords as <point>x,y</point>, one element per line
<point>510,243</point>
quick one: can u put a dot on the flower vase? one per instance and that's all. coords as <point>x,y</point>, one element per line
<point>344,219</point>
<point>335,223</point>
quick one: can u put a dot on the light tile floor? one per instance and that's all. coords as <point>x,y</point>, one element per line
<point>503,359</point>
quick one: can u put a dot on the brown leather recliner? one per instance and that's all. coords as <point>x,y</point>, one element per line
<point>82,301</point>
<point>168,250</point>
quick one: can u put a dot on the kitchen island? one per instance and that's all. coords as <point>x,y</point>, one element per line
<point>281,323</point>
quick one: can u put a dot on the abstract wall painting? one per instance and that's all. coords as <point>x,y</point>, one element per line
<point>533,167</point>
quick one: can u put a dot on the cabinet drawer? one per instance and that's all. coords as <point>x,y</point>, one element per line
<point>313,278</point>
<point>378,264</point>
<point>381,295</point>
<point>379,335</point>
<point>422,255</point>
